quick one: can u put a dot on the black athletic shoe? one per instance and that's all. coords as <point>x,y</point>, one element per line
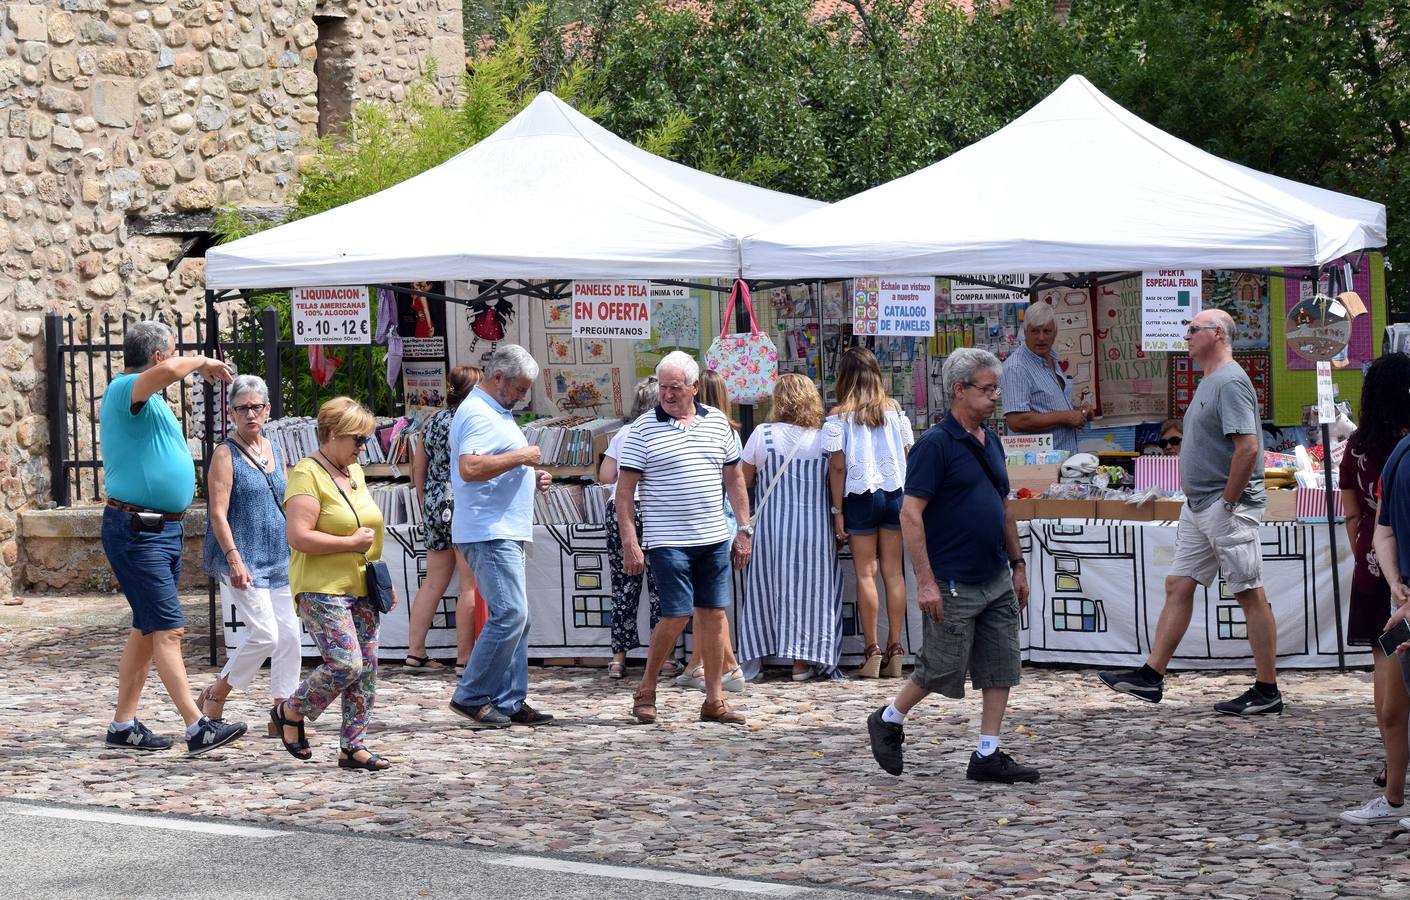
<point>485,716</point>
<point>138,737</point>
<point>1252,702</point>
<point>213,733</point>
<point>886,740</point>
<point>999,766</point>
<point>527,715</point>
<point>1135,683</point>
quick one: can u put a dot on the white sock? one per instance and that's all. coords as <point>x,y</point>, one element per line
<point>987,745</point>
<point>119,726</point>
<point>192,729</point>
<point>893,715</point>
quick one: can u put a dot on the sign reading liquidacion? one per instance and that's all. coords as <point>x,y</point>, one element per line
<point>612,309</point>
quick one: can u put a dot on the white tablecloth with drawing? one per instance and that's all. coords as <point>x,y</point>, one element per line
<point>1097,591</point>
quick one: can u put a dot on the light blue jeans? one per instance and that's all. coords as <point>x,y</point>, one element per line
<point>498,669</point>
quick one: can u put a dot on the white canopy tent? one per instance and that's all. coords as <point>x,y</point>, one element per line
<point>549,195</point>
<point>1076,184</point>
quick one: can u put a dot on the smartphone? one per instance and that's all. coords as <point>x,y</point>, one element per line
<point>1395,637</point>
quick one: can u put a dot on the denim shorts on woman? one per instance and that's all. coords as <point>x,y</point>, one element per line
<point>148,567</point>
<point>865,513</point>
<point>691,577</point>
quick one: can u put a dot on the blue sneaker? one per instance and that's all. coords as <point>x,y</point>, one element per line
<point>138,737</point>
<point>211,734</point>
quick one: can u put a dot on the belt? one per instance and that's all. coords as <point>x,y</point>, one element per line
<point>128,507</point>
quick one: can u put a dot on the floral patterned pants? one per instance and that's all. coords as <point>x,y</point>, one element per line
<point>345,630</point>
<point>626,589</point>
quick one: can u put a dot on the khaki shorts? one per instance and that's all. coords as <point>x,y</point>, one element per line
<point>978,635</point>
<point>1214,540</point>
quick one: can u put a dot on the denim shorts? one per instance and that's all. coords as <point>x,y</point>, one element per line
<point>148,567</point>
<point>865,513</point>
<point>691,577</point>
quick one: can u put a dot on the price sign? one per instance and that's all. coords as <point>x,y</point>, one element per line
<point>1326,394</point>
<point>331,315</point>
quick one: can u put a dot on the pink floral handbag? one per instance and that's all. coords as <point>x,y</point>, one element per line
<point>747,361</point>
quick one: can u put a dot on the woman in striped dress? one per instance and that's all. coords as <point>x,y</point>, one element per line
<point>793,591</point>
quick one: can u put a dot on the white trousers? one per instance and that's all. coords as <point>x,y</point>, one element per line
<point>271,631</point>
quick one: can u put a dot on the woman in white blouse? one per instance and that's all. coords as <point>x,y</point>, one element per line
<point>868,438</point>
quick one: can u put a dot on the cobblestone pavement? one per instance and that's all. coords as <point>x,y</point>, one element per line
<point>1136,800</point>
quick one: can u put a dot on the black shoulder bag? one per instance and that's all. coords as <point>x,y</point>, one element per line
<point>379,577</point>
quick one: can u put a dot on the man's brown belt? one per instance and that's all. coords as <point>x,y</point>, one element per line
<point>128,507</point>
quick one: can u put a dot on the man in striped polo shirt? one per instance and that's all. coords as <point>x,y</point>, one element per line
<point>685,458</point>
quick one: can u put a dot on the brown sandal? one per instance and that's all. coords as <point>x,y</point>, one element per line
<point>892,661</point>
<point>720,711</point>
<point>871,662</point>
<point>644,707</point>
<point>207,695</point>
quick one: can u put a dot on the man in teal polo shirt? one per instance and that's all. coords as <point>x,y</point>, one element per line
<point>149,479</point>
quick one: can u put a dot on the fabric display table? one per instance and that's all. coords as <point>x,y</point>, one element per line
<point>1097,591</point>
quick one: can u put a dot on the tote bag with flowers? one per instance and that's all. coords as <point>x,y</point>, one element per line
<point>747,361</point>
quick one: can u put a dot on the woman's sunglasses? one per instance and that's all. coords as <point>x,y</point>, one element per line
<point>360,440</point>
<point>1168,442</point>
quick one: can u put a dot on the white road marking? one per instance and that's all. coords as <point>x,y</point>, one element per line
<point>654,875</point>
<point>109,818</point>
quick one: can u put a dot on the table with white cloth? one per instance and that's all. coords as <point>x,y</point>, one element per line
<point>1097,591</point>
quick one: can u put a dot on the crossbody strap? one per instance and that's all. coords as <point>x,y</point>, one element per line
<point>268,479</point>
<point>973,447</point>
<point>778,476</point>
<point>356,517</point>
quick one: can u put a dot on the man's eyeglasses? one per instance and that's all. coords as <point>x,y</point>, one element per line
<point>1168,442</point>
<point>251,409</point>
<point>990,390</point>
<point>1193,328</point>
<point>360,440</point>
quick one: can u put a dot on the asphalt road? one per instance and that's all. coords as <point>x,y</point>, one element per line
<point>61,851</point>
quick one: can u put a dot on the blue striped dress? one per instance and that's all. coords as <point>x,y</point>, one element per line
<point>793,591</point>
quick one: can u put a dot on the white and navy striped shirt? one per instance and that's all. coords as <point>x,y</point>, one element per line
<point>682,476</point>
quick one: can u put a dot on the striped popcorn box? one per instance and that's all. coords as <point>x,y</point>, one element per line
<point>1312,505</point>
<point>1158,472</point>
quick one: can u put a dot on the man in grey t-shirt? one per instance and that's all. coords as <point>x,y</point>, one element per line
<point>1221,472</point>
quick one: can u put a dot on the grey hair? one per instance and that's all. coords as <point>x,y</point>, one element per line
<point>679,359</point>
<point>963,364</point>
<point>511,361</point>
<point>247,384</point>
<point>1038,315</point>
<point>142,340</point>
<point>1226,324</point>
<point>648,394</point>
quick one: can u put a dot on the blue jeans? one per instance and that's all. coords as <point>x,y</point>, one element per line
<point>498,669</point>
<point>148,567</point>
<point>691,577</point>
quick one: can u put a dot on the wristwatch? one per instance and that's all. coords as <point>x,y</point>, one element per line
<point>1228,506</point>
<point>747,530</point>
<point>1015,563</point>
<point>836,511</point>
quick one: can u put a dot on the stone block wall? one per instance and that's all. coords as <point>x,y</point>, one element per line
<point>115,109</point>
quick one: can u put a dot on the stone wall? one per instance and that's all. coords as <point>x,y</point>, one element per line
<point>116,109</point>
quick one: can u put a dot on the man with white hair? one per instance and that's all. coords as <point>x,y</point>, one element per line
<point>970,579</point>
<point>681,453</point>
<point>1221,473</point>
<point>1037,395</point>
<point>493,519</point>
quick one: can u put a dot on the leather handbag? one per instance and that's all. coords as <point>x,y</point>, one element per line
<point>747,361</point>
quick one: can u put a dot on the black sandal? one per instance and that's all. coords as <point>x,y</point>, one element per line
<point>373,763</point>
<point>421,664</point>
<point>297,749</point>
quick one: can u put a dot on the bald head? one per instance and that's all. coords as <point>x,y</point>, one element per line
<point>1223,320</point>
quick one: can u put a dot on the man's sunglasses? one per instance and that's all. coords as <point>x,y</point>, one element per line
<point>1168,442</point>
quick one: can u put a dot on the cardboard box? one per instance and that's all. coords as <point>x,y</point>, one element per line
<point>1022,509</point>
<point>1064,509</point>
<point>1167,510</point>
<point>1121,510</point>
<point>1282,506</point>
<point>1036,478</point>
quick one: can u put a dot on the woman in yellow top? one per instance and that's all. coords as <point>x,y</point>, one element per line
<point>334,528</point>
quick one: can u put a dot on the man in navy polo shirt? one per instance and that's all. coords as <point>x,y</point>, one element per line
<point>971,583</point>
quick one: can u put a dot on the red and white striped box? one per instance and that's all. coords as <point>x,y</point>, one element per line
<point>1158,472</point>
<point>1312,505</point>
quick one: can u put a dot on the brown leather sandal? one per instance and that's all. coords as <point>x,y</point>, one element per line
<point>871,662</point>
<point>892,661</point>
<point>644,707</point>
<point>720,711</point>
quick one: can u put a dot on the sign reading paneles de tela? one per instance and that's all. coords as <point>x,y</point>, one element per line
<point>612,309</point>
<point>1170,298</point>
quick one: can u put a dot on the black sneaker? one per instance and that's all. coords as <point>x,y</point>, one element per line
<point>999,766</point>
<point>138,737</point>
<point>886,740</point>
<point>481,716</point>
<point>1252,702</point>
<point>527,715</point>
<point>1134,682</point>
<point>213,733</point>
